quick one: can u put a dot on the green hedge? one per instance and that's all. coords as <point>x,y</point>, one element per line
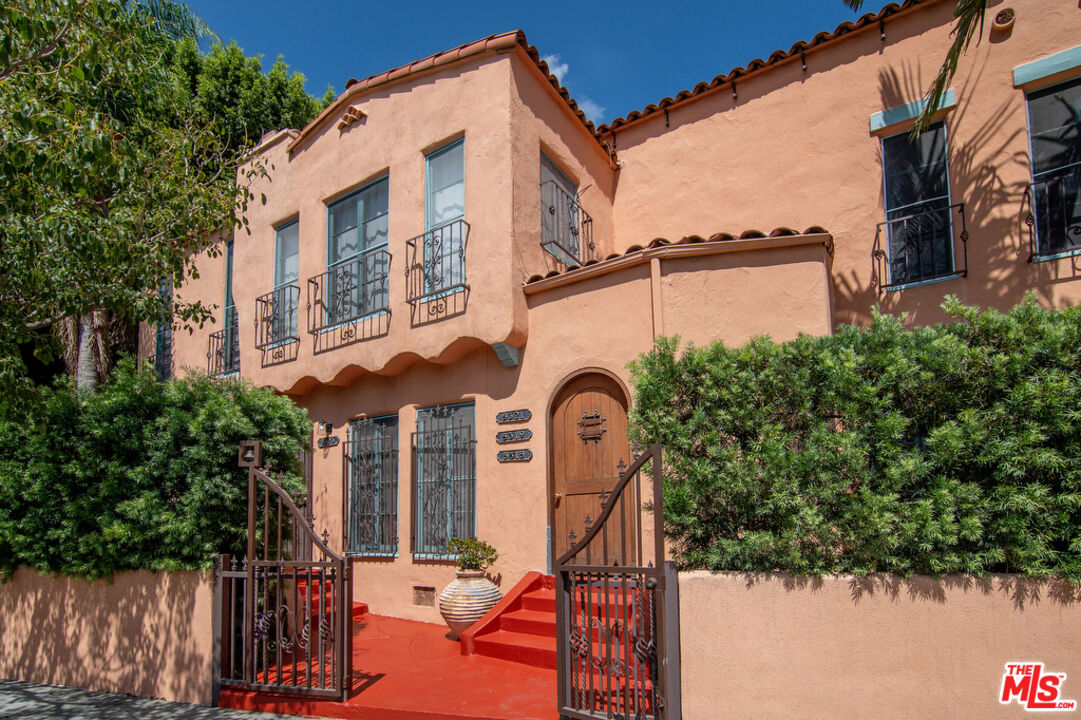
<point>141,474</point>
<point>954,448</point>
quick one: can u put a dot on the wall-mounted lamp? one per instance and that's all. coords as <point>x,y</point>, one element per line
<point>327,441</point>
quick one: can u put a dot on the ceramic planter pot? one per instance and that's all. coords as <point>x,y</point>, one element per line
<point>1004,20</point>
<point>467,599</point>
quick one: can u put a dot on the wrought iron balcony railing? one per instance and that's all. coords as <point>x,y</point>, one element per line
<point>223,357</point>
<point>921,246</point>
<point>276,317</point>
<point>435,262</point>
<point>1054,219</point>
<point>349,291</point>
<point>566,229</point>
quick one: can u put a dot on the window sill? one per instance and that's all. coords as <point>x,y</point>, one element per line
<point>1056,256</point>
<point>918,283</point>
<point>363,555</point>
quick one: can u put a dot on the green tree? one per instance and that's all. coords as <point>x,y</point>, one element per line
<point>968,16</point>
<point>108,181</point>
<point>236,99</point>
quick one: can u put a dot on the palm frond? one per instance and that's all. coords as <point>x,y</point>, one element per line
<point>968,22</point>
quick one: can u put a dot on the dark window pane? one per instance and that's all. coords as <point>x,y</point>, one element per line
<point>1055,124</point>
<point>915,169</point>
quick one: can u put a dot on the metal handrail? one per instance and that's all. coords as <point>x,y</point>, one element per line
<point>276,317</point>
<point>349,291</point>
<point>566,228</point>
<point>1053,198</point>
<point>918,233</point>
<point>223,354</point>
<point>435,262</point>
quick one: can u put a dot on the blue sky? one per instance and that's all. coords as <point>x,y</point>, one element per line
<point>614,57</point>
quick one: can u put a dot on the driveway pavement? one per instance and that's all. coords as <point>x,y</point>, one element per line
<point>23,701</point>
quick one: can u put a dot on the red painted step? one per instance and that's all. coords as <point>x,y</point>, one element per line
<point>533,622</point>
<point>536,650</point>
<point>522,627</point>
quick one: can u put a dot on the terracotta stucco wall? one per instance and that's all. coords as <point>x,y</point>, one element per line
<point>146,634</point>
<point>599,325</point>
<point>794,148</point>
<point>775,646</point>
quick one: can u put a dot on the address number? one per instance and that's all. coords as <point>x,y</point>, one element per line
<point>509,436</point>
<point>511,416</point>
<point>505,456</point>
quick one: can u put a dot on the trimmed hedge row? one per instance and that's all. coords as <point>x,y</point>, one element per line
<point>954,448</point>
<point>141,474</point>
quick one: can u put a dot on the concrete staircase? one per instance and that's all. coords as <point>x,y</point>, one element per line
<point>526,633</point>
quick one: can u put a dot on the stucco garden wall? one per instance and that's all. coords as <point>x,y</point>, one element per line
<point>775,646</point>
<point>146,634</point>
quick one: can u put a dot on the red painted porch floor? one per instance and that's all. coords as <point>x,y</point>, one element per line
<point>406,670</point>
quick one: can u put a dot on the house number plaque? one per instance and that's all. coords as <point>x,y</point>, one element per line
<point>505,456</point>
<point>325,442</point>
<point>509,436</point>
<point>513,416</point>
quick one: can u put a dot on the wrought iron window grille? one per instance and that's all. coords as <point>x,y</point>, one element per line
<point>223,356</point>
<point>1054,215</point>
<point>349,291</point>
<point>276,317</point>
<point>444,482</point>
<point>370,493</point>
<point>921,247</point>
<point>566,228</point>
<point>435,264</point>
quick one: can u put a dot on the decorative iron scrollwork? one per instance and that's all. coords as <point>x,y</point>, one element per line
<point>591,426</point>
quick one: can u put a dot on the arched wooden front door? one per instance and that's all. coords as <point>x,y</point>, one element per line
<point>589,439</point>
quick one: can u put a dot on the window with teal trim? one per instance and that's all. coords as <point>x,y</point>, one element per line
<point>371,486</point>
<point>446,231</point>
<point>357,256</point>
<point>1054,116</point>
<point>444,478</point>
<point>919,224</point>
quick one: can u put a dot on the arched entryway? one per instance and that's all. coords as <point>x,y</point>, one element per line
<point>588,442</point>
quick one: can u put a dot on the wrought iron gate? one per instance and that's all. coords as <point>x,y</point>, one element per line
<point>618,645</point>
<point>285,615</point>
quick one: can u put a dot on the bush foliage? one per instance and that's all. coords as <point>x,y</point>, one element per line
<point>141,474</point>
<point>954,448</point>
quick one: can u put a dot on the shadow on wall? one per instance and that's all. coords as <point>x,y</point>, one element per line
<point>1023,590</point>
<point>146,634</point>
<point>989,171</point>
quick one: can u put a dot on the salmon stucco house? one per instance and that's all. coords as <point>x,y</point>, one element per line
<point>454,267</point>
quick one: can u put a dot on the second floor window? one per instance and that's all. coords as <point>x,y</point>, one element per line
<point>1054,116</point>
<point>277,311</point>
<point>566,231</point>
<point>357,257</point>
<point>919,229</point>
<point>224,353</point>
<point>441,259</point>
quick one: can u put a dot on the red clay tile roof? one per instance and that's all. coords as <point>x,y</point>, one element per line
<point>777,56</point>
<point>689,240</point>
<point>501,41</point>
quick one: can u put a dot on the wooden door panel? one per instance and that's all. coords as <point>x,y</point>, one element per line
<point>589,439</point>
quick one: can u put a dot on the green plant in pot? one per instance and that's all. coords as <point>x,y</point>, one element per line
<point>471,595</point>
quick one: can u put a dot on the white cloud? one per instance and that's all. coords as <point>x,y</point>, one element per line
<point>592,110</point>
<point>556,66</point>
